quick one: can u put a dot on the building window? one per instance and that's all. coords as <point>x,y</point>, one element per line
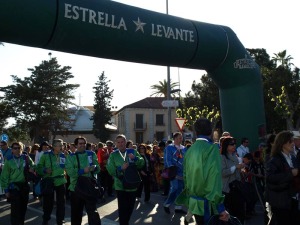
<point>139,137</point>
<point>160,135</point>
<point>159,119</point>
<point>139,120</point>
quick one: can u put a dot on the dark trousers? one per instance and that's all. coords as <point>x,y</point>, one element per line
<point>286,216</point>
<point>235,205</point>
<point>67,187</point>
<point>166,184</point>
<point>199,220</point>
<point>19,201</point>
<point>48,203</point>
<point>77,204</point>
<point>146,185</point>
<point>106,182</point>
<point>126,201</point>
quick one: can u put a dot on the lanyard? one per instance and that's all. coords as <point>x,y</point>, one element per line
<point>124,157</point>
<point>18,164</point>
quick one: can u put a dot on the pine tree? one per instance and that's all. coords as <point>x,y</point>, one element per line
<point>102,115</point>
<point>39,102</point>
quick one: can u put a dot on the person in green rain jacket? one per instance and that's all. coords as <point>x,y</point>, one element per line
<point>117,163</point>
<point>88,166</point>
<point>14,181</point>
<point>52,165</point>
<point>202,177</point>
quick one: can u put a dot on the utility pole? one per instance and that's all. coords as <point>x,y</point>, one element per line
<point>169,89</point>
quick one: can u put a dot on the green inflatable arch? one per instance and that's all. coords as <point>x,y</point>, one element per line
<point>112,30</point>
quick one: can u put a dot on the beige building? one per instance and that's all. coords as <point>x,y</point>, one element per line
<point>142,122</point>
<point>145,121</point>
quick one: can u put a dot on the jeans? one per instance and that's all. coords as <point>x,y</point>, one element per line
<point>175,189</point>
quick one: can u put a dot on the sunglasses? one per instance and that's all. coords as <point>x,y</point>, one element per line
<point>16,148</point>
<point>232,143</point>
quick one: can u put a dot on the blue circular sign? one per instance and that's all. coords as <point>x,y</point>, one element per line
<point>4,137</point>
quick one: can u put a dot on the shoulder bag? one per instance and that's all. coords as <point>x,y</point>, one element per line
<point>169,173</point>
<point>131,177</point>
<point>87,187</point>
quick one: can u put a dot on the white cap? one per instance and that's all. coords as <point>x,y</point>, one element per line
<point>296,134</point>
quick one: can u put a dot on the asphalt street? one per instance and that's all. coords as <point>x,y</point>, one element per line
<point>144,213</point>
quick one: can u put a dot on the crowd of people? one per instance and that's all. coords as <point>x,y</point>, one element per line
<point>211,178</point>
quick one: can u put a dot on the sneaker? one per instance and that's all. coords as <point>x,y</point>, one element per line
<point>167,210</point>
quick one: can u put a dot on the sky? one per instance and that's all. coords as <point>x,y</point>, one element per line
<point>272,25</point>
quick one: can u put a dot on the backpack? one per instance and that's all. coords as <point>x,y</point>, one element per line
<point>131,177</point>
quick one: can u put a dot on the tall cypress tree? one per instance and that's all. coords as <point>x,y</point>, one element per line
<point>102,115</point>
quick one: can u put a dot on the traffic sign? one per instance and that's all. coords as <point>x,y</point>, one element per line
<point>180,123</point>
<point>4,137</point>
<point>170,103</point>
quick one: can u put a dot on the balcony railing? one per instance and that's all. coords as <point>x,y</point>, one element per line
<point>140,126</point>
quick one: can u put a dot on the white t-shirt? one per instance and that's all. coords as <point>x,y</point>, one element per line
<point>242,150</point>
<point>38,156</point>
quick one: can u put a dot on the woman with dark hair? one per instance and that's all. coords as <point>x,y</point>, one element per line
<point>145,172</point>
<point>231,169</point>
<point>267,153</point>
<point>44,147</point>
<point>33,151</point>
<point>280,173</point>
<point>129,144</point>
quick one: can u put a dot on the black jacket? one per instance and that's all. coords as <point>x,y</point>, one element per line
<point>147,168</point>
<point>279,183</point>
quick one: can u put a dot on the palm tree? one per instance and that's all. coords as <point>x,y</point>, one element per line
<point>283,59</point>
<point>161,89</point>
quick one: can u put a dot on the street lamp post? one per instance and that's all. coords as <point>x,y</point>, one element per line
<point>168,88</point>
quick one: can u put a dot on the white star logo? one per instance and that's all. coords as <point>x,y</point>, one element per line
<point>139,25</point>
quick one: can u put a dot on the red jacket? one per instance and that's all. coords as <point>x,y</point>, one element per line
<point>103,155</point>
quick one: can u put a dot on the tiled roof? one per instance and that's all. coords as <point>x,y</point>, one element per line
<point>91,108</point>
<point>149,102</point>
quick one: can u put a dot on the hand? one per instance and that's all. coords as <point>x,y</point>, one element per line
<point>86,169</point>
<point>92,168</point>
<point>224,216</point>
<point>143,173</point>
<point>295,172</point>
<point>131,156</point>
<point>48,171</point>
<point>240,166</point>
<point>7,195</point>
<point>124,166</point>
<point>66,152</point>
